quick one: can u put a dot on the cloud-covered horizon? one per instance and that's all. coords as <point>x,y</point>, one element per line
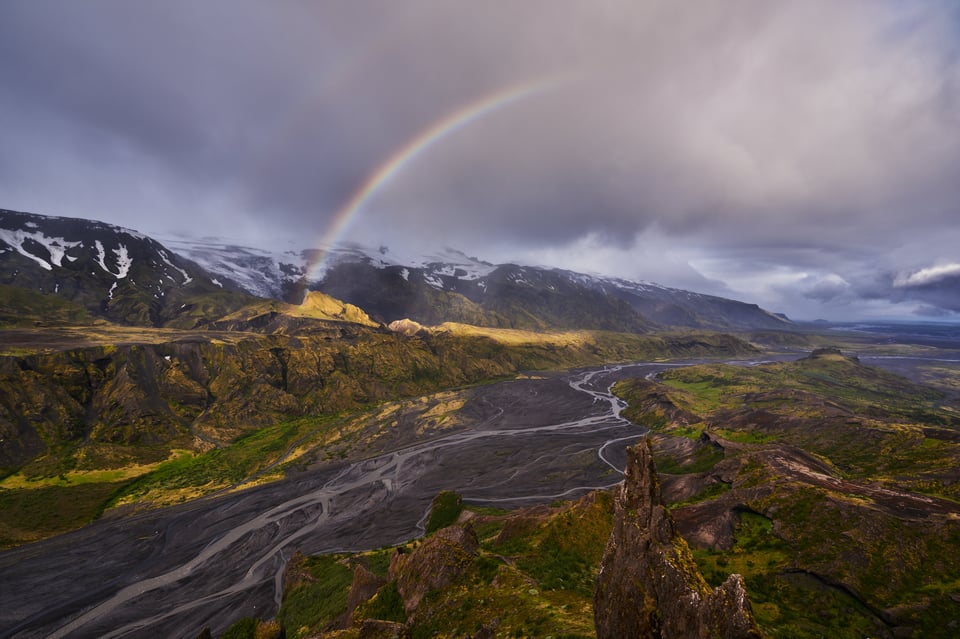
<point>802,156</point>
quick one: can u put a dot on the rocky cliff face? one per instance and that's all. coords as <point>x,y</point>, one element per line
<point>649,585</point>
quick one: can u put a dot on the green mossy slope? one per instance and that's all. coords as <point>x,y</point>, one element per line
<point>832,488</point>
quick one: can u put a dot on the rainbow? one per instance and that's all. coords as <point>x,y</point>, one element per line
<point>408,152</point>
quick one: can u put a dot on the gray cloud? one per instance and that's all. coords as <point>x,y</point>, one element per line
<point>791,154</point>
<point>938,287</point>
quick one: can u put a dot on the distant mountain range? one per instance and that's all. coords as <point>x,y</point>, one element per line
<point>130,278</point>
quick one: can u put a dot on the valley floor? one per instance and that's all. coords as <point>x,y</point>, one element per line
<point>537,439</point>
<point>214,560</point>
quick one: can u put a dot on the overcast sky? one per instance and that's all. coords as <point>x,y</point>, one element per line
<point>802,155</point>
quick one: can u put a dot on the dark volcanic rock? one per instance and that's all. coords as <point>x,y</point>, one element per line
<point>649,585</point>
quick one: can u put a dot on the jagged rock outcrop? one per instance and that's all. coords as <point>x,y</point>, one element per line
<point>406,327</point>
<point>439,562</point>
<point>649,585</point>
<point>365,585</point>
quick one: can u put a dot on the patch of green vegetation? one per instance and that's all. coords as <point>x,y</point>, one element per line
<point>488,529</point>
<point>744,436</point>
<point>245,628</point>
<point>659,408</point>
<point>28,514</point>
<point>386,605</point>
<point>703,459</point>
<point>247,455</point>
<point>701,395</point>
<point>836,553</point>
<point>764,560</point>
<point>828,557</point>
<point>867,423</point>
<point>25,307</point>
<point>710,492</point>
<point>689,432</point>
<point>519,608</point>
<point>536,584</point>
<point>444,510</point>
<point>797,605</point>
<point>316,602</point>
<point>488,510</point>
<point>377,561</point>
<point>839,380</point>
<point>568,549</point>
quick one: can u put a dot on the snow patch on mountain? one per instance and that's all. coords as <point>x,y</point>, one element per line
<point>446,262</point>
<point>186,278</point>
<point>101,256</point>
<point>258,271</point>
<point>57,247</point>
<point>433,280</point>
<point>124,261</point>
<point>122,256</point>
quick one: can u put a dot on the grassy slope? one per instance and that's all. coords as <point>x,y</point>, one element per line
<point>837,547</point>
<point>23,307</point>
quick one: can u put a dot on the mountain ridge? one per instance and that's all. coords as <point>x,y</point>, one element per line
<point>131,278</point>
<point>449,285</point>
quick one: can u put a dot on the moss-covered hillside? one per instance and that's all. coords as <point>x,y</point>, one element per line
<point>831,486</point>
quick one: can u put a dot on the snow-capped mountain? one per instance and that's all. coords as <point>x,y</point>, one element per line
<point>130,277</point>
<point>448,285</point>
<point>112,271</point>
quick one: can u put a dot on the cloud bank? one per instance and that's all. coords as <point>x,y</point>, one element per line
<point>798,155</point>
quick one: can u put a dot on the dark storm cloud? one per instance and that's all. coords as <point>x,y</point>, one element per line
<point>938,287</point>
<point>802,154</point>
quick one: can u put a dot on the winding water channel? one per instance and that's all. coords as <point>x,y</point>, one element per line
<point>207,563</point>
